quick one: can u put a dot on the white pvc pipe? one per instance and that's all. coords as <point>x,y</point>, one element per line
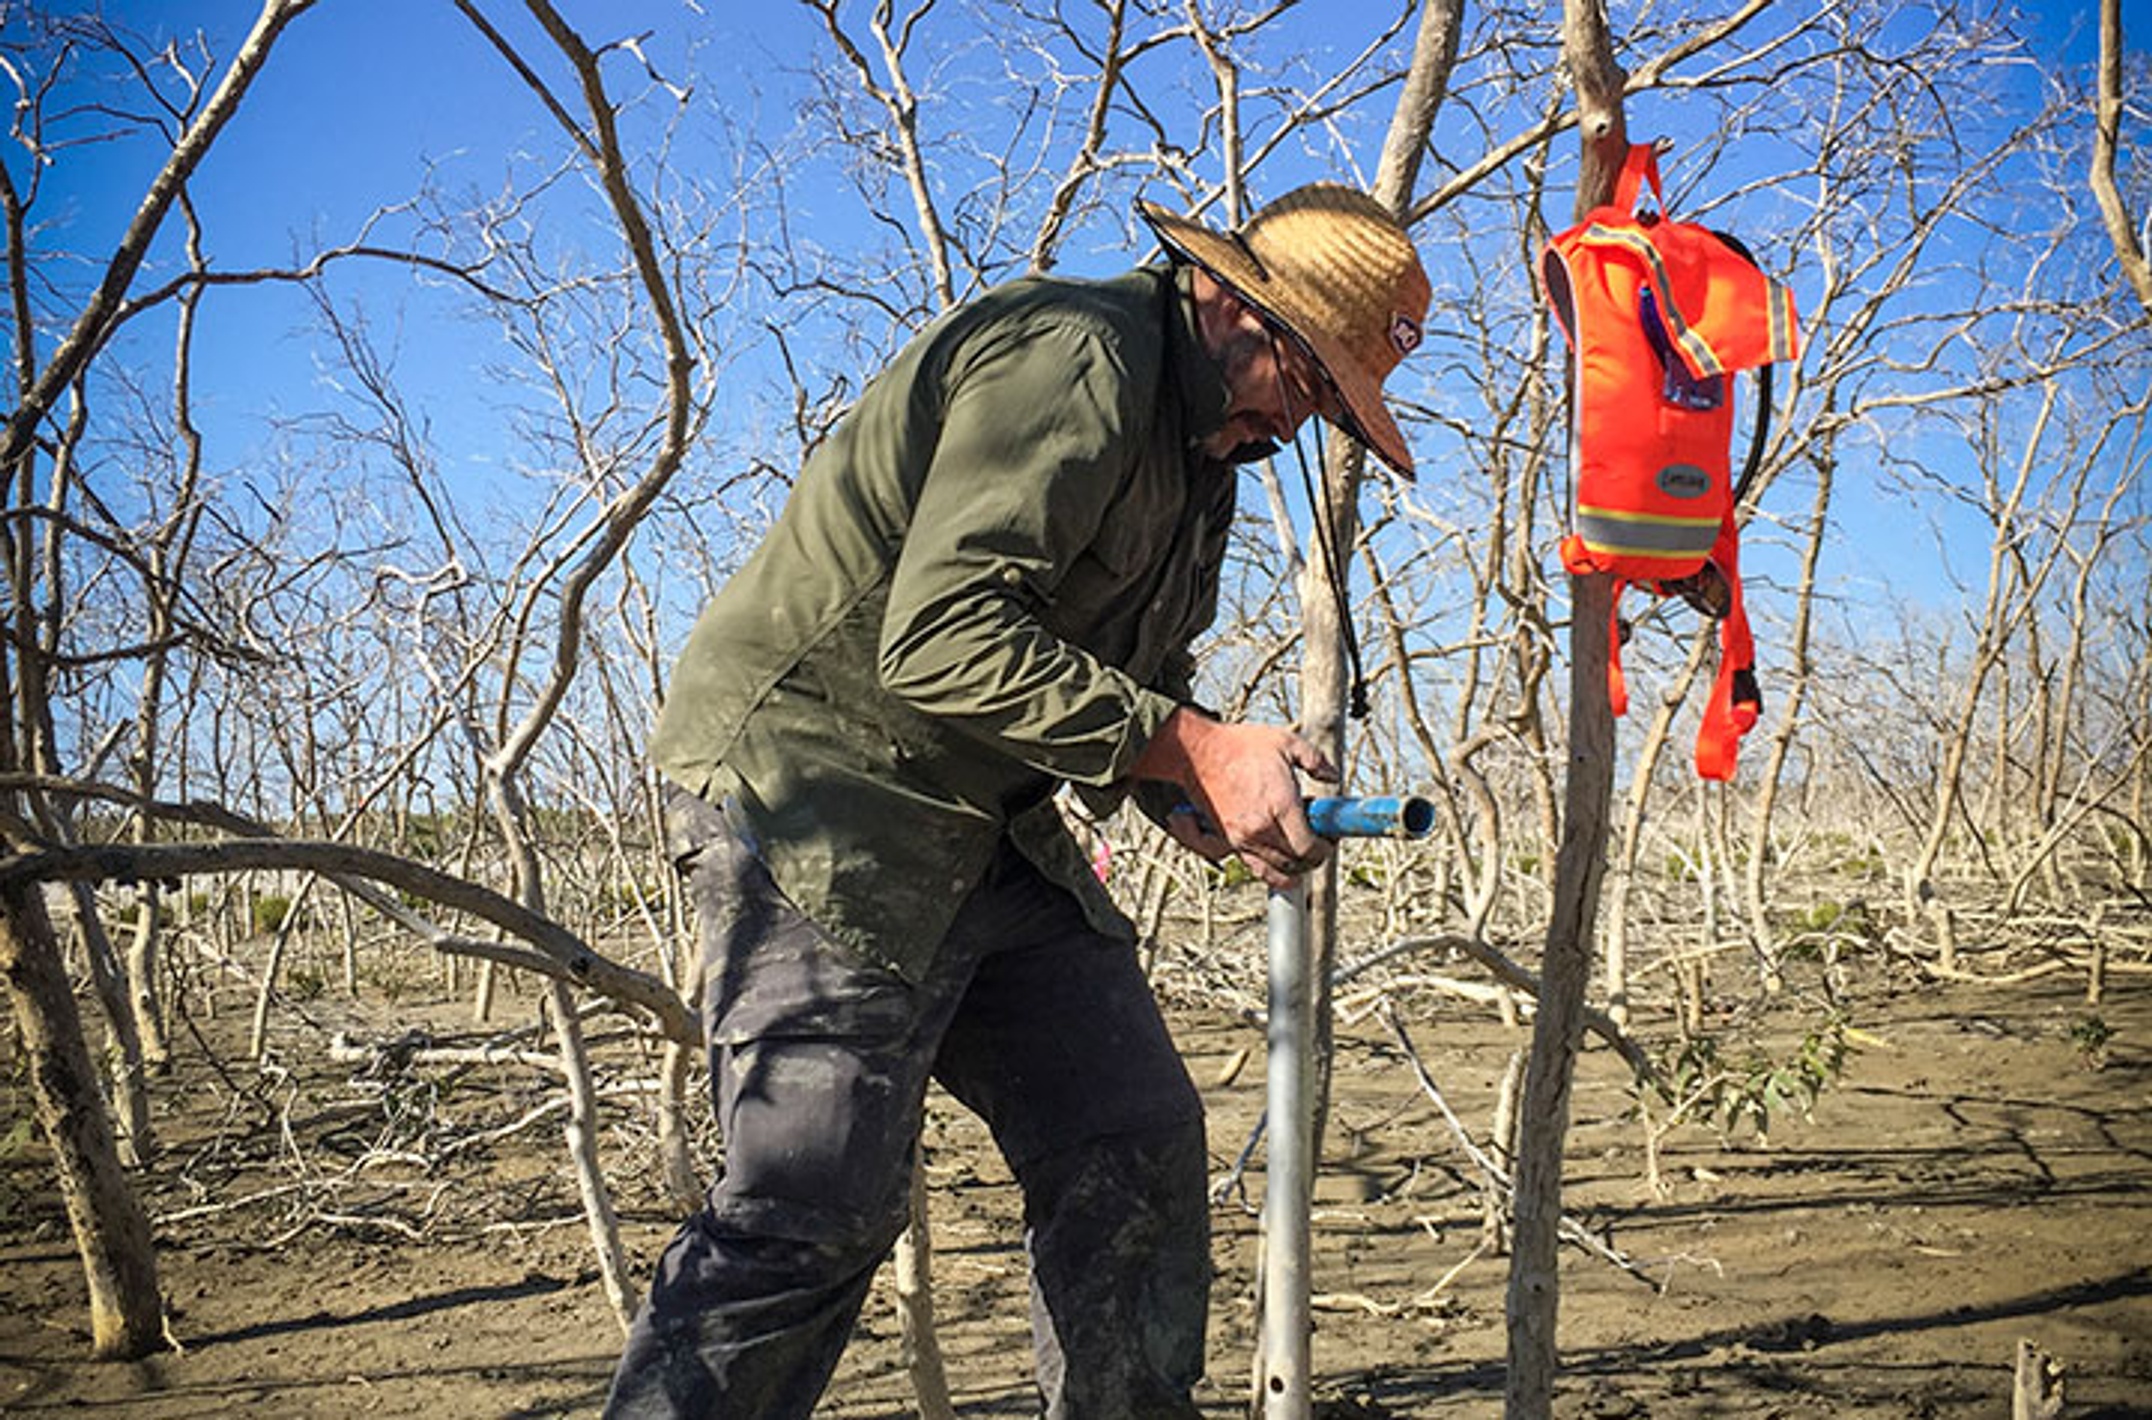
<point>1288,1192</point>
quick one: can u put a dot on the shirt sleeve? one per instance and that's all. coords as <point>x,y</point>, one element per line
<point>1042,426</point>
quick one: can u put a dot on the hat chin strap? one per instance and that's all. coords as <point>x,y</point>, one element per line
<point>1317,493</point>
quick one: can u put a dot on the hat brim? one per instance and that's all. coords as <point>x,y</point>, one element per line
<point>1226,259</point>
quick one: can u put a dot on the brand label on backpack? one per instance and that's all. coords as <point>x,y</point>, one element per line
<point>1684,480</point>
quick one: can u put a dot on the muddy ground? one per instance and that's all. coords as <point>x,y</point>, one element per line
<point>342,1238</point>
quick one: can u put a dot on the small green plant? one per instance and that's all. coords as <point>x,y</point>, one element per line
<point>392,976</point>
<point>1365,873</point>
<point>627,899</point>
<point>2090,1035</point>
<point>272,912</point>
<point>1699,1079</point>
<point>1824,930</point>
<point>1823,916</point>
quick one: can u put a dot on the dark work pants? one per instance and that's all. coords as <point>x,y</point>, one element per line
<point>819,1066</point>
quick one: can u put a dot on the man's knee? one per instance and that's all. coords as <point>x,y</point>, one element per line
<point>767,1264</point>
<point>749,1309</point>
<point>1157,1174</point>
<point>827,1238</point>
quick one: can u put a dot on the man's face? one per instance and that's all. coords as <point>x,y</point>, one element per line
<point>1272,383</point>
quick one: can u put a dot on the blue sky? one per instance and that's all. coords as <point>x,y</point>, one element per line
<point>360,98</point>
<point>358,101</point>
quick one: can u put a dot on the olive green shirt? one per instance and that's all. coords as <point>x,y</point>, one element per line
<point>984,585</point>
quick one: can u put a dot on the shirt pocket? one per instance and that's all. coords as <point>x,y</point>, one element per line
<point>1110,586</point>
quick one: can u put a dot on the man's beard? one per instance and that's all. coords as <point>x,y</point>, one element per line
<point>1236,357</point>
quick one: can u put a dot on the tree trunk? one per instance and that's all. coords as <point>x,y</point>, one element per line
<point>2037,1389</point>
<point>676,1156</point>
<point>147,1008</point>
<point>129,1075</point>
<point>111,1232</point>
<point>1614,951</point>
<point>582,1140</point>
<point>913,1261</point>
<point>1534,1286</point>
<point>1324,679</point>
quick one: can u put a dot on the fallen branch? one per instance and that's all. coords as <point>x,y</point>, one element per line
<point>1419,1301</point>
<point>405,1051</point>
<point>1598,1022</point>
<point>1367,1001</point>
<point>1571,1231</point>
<point>554,951</point>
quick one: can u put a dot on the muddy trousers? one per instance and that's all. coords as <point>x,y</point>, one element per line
<point>819,1066</point>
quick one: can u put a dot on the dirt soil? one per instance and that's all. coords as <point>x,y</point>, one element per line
<point>345,1238</point>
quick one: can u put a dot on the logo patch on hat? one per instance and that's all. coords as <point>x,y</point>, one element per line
<point>1404,334</point>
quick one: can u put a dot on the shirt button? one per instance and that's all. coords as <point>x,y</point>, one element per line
<point>1012,576</point>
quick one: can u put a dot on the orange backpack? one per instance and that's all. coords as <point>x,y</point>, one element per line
<point>1660,314</point>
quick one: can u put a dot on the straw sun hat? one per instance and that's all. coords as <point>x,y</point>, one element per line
<point>1331,265</point>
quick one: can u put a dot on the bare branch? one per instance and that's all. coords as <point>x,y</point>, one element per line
<point>2107,130</point>
<point>93,326</point>
<point>559,953</point>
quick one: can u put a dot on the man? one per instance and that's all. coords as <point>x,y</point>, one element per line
<point>984,586</point>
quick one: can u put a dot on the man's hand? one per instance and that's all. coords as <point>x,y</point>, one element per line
<point>1244,782</point>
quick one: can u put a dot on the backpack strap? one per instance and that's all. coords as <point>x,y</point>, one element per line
<point>1641,166</point>
<point>1736,702</point>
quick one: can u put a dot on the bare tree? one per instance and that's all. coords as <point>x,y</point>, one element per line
<point>2114,211</point>
<point>110,1231</point>
<point>1327,689</point>
<point>1534,1286</point>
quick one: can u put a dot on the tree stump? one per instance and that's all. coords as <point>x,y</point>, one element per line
<point>2037,1394</point>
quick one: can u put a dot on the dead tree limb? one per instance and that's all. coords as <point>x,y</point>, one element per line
<point>1495,1176</point>
<point>555,951</point>
<point>1510,974</point>
<point>2106,138</point>
<point>94,323</point>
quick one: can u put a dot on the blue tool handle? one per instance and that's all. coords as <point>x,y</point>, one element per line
<point>1380,816</point>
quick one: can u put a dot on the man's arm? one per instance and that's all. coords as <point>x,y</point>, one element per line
<point>1033,452</point>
